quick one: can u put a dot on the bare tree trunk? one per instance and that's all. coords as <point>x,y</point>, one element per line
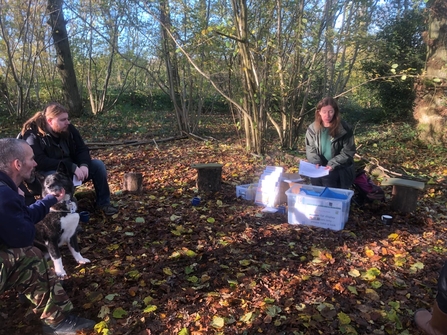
<point>172,67</point>
<point>101,106</point>
<point>282,85</point>
<point>91,83</point>
<point>430,105</point>
<point>255,120</point>
<point>20,61</point>
<point>329,53</point>
<point>64,59</point>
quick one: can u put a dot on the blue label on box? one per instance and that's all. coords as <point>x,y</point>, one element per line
<point>320,212</point>
<point>333,204</point>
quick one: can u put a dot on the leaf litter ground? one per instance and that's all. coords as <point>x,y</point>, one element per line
<point>163,266</point>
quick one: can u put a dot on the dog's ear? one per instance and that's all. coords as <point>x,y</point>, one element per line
<point>39,176</point>
<point>63,168</point>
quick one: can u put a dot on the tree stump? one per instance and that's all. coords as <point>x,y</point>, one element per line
<point>133,182</point>
<point>405,193</point>
<point>209,177</point>
<point>404,199</point>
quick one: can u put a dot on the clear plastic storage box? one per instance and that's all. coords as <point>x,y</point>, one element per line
<point>317,206</point>
<point>247,192</point>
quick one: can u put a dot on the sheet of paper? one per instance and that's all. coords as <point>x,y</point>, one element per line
<point>310,170</point>
<point>297,180</point>
<point>76,181</point>
<point>269,210</point>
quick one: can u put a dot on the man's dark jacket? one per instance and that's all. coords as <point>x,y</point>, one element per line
<point>16,219</point>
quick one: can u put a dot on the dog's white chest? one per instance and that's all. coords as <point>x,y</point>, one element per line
<point>69,223</point>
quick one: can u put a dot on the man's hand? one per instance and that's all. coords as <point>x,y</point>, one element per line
<point>59,195</point>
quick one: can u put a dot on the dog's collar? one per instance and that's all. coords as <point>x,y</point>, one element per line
<point>70,204</point>
<point>59,211</point>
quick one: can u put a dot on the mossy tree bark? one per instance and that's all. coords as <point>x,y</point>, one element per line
<point>431,101</point>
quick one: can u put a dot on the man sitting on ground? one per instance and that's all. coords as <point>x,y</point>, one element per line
<point>54,140</point>
<point>23,266</point>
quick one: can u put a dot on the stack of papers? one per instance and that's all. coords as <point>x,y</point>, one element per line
<point>268,186</point>
<point>311,170</point>
<point>76,181</point>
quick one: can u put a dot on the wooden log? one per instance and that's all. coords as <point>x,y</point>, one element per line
<point>209,177</point>
<point>133,182</point>
<point>404,198</point>
<point>405,193</point>
<point>403,182</point>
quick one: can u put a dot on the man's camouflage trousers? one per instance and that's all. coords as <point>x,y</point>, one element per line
<point>26,270</point>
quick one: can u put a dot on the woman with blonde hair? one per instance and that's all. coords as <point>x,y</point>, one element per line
<point>55,141</point>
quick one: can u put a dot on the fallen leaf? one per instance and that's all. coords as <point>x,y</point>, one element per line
<point>119,313</point>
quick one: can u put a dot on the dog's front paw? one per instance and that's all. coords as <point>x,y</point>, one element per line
<point>83,261</point>
<point>59,268</point>
<point>61,275</point>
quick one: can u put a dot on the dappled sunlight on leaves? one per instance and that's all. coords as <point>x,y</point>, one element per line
<point>162,266</point>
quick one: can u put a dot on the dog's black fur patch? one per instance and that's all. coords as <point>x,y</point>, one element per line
<point>60,225</point>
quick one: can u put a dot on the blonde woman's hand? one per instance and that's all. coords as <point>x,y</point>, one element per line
<point>84,169</point>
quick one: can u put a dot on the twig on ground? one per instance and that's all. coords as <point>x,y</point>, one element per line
<point>156,145</point>
<point>194,136</point>
<point>99,145</point>
<point>376,163</point>
<point>212,138</point>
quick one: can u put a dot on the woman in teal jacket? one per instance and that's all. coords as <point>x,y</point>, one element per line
<point>330,143</point>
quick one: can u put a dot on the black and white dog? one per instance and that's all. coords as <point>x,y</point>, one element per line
<point>60,225</point>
